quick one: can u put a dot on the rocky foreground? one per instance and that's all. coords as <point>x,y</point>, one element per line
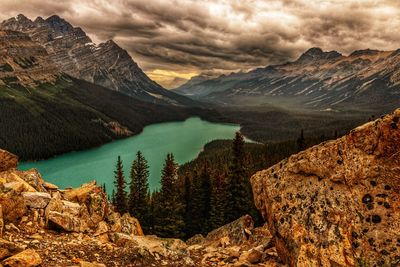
<point>335,204</point>
<point>42,225</point>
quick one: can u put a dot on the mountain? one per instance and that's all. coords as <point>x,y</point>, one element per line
<point>105,64</point>
<point>316,80</point>
<point>45,112</point>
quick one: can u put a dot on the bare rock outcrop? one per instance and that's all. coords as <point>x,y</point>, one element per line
<point>31,208</point>
<point>7,160</point>
<point>337,203</point>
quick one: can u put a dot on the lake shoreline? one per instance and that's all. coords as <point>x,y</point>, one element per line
<point>222,121</point>
<point>185,139</point>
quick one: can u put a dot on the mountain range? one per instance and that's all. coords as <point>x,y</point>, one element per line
<point>106,64</point>
<point>45,111</point>
<point>317,79</point>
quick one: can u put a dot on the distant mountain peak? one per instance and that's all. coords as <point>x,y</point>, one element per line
<point>364,52</point>
<point>316,53</point>
<point>39,20</point>
<point>59,24</point>
<point>22,17</point>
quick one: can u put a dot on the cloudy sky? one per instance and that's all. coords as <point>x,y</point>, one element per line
<point>173,40</point>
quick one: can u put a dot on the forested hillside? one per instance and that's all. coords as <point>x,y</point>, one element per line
<point>73,115</point>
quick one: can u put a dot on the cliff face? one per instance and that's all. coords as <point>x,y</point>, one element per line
<point>337,203</point>
<point>105,64</point>
<point>23,61</point>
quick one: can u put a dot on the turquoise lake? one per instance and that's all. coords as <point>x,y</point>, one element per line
<point>184,139</point>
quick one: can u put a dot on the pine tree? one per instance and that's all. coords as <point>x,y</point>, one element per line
<point>120,183</point>
<point>104,188</point>
<point>153,200</point>
<point>301,142</point>
<point>239,197</point>
<point>202,201</point>
<point>217,213</point>
<point>113,200</point>
<point>139,190</point>
<point>187,197</point>
<point>168,209</point>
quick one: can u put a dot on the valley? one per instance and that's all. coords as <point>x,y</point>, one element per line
<point>270,154</point>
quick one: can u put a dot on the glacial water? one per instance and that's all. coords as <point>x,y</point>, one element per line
<point>184,139</point>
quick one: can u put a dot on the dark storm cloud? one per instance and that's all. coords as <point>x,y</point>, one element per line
<point>224,35</point>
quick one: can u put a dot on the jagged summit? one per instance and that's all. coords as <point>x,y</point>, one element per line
<point>106,64</point>
<point>59,24</point>
<point>315,53</point>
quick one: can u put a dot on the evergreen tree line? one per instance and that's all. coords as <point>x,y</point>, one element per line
<point>201,195</point>
<point>204,201</point>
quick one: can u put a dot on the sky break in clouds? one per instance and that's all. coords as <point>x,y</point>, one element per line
<point>173,40</point>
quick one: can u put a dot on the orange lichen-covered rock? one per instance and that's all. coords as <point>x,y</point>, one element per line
<point>337,203</point>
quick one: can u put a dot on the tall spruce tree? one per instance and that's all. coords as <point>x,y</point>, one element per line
<point>139,190</point>
<point>113,200</point>
<point>301,141</point>
<point>218,198</point>
<point>168,209</point>
<point>202,201</point>
<point>187,197</point>
<point>239,200</point>
<point>120,183</point>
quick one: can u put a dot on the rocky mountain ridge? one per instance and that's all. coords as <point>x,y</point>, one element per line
<point>106,64</point>
<point>317,79</point>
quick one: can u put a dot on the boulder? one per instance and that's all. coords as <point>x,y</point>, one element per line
<point>81,194</point>
<point>12,180</point>
<point>165,247</point>
<point>55,204</point>
<point>13,206</point>
<point>33,178</point>
<point>236,232</point>
<point>26,258</point>
<point>337,203</point>
<point>37,200</point>
<point>98,207</point>
<point>64,221</point>
<point>7,160</point>
<point>130,225</point>
<point>50,186</point>
<point>121,239</point>
<point>114,220</point>
<point>8,248</point>
<point>102,228</point>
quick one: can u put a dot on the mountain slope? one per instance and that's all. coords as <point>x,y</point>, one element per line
<point>318,79</point>
<point>105,64</point>
<point>45,112</point>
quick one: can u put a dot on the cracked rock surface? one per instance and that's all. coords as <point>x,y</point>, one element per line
<point>337,203</point>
